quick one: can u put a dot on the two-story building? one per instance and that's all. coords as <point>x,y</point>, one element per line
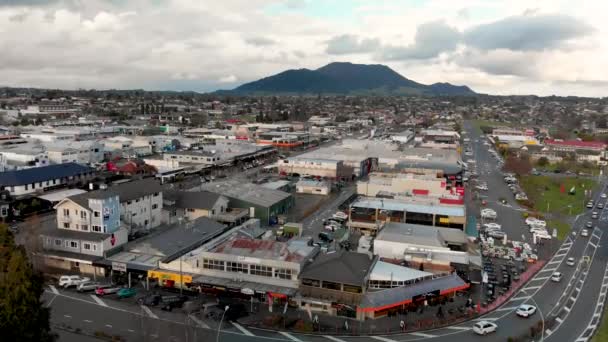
<point>37,180</point>
<point>87,228</point>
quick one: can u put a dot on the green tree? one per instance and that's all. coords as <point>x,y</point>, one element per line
<point>22,315</point>
<point>543,161</point>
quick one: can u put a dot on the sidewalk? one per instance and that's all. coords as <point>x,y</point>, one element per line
<point>299,320</point>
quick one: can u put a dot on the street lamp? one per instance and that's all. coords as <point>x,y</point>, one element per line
<point>219,327</point>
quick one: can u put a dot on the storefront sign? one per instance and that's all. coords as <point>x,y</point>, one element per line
<point>119,266</point>
<point>247,291</point>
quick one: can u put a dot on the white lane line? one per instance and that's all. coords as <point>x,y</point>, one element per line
<point>335,339</point>
<point>289,336</point>
<point>98,300</point>
<point>520,298</point>
<point>54,289</point>
<point>109,326</point>
<point>592,244</point>
<point>419,334</point>
<point>459,328</point>
<point>507,308</point>
<point>242,329</point>
<point>529,288</point>
<point>559,320</point>
<point>541,278</point>
<point>149,312</point>
<point>487,319</point>
<point>198,321</point>
<point>383,339</point>
<point>87,321</point>
<point>554,262</point>
<point>67,316</point>
<point>567,308</point>
<point>131,330</point>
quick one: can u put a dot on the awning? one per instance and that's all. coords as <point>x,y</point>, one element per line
<point>385,299</point>
<point>256,287</point>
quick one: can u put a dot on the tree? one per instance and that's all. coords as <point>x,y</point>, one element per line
<point>22,315</point>
<point>543,161</point>
<point>519,166</point>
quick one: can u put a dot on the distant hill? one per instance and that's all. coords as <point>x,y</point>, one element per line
<point>347,78</point>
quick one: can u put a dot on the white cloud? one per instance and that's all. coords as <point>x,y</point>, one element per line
<point>205,44</point>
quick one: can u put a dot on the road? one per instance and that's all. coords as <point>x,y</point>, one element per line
<point>569,308</point>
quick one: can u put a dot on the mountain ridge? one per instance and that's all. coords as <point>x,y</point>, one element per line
<point>347,78</point>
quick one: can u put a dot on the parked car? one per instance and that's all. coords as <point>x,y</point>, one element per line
<point>126,292</point>
<point>165,302</point>
<point>106,290</point>
<point>325,237</point>
<point>340,215</point>
<point>589,224</point>
<point>556,277</point>
<point>584,233</point>
<point>525,310</point>
<point>570,262</point>
<point>492,225</point>
<point>600,205</point>
<point>66,281</point>
<point>482,187</point>
<point>484,327</point>
<point>87,286</point>
<point>603,196</point>
<point>497,235</point>
<point>594,215</point>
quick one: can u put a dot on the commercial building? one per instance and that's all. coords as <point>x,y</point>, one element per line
<point>435,248</point>
<point>407,184</point>
<point>369,214</point>
<point>323,168</point>
<point>314,187</point>
<point>22,156</point>
<point>264,204</point>
<point>193,204</point>
<point>40,179</point>
<point>403,137</point>
<point>83,152</point>
<point>433,138</point>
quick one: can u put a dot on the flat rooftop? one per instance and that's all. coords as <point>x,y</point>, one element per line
<point>417,204</point>
<point>421,235</point>
<point>264,249</point>
<point>248,192</point>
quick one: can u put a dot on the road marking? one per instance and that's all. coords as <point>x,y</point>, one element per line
<point>567,308</point>
<point>383,339</point>
<point>486,319</point>
<point>335,339</point>
<point>419,334</point>
<point>67,316</point>
<point>198,321</point>
<point>529,288</point>
<point>520,298</point>
<point>87,321</point>
<point>289,336</point>
<point>541,278</point>
<point>54,289</point>
<point>131,330</point>
<point>149,312</point>
<point>243,330</point>
<point>98,300</point>
<point>459,328</point>
<point>559,320</point>
<point>554,262</point>
<point>109,326</point>
<point>507,308</point>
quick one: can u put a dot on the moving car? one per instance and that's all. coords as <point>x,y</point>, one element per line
<point>87,286</point>
<point>556,277</point>
<point>66,281</point>
<point>525,310</point>
<point>594,215</point>
<point>570,261</point>
<point>600,205</point>
<point>106,290</point>
<point>584,233</point>
<point>126,292</point>
<point>589,224</point>
<point>484,327</point>
<point>603,196</point>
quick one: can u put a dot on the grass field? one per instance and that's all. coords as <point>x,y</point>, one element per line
<point>545,193</point>
<point>601,334</point>
<point>563,228</point>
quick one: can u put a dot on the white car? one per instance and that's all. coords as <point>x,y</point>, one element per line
<point>482,187</point>
<point>484,327</point>
<point>340,215</point>
<point>570,262</point>
<point>525,310</point>
<point>584,233</point>
<point>66,281</point>
<point>530,220</point>
<point>603,196</point>
<point>492,225</point>
<point>542,236</point>
<point>556,277</point>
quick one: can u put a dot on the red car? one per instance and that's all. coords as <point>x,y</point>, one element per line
<point>106,290</point>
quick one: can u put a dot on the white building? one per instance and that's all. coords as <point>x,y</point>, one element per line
<point>314,187</point>
<point>83,152</point>
<point>37,180</point>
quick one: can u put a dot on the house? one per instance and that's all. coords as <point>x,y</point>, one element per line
<point>194,204</point>
<point>40,179</point>
<point>87,228</point>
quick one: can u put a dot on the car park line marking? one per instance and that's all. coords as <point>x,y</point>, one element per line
<point>507,308</point>
<point>335,339</point>
<point>67,316</point>
<point>486,319</point>
<point>87,321</point>
<point>530,288</point>
<point>149,312</point>
<point>554,262</point>
<point>540,278</point>
<point>419,334</point>
<point>383,339</point>
<point>54,289</point>
<point>241,329</point>
<point>460,328</point>
<point>98,300</point>
<point>109,326</point>
<point>198,321</point>
<point>131,330</point>
<point>521,297</point>
<point>289,336</point>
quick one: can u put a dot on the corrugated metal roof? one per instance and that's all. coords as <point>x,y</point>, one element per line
<point>42,174</point>
<point>396,205</point>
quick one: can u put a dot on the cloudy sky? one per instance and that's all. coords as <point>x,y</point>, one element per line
<point>499,47</point>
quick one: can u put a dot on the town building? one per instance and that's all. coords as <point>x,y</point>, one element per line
<point>193,204</point>
<point>322,168</point>
<point>407,184</point>
<point>313,186</point>
<point>38,180</point>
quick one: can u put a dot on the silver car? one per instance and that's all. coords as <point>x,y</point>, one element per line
<point>87,286</point>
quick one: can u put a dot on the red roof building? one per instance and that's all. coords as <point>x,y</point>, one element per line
<point>575,145</point>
